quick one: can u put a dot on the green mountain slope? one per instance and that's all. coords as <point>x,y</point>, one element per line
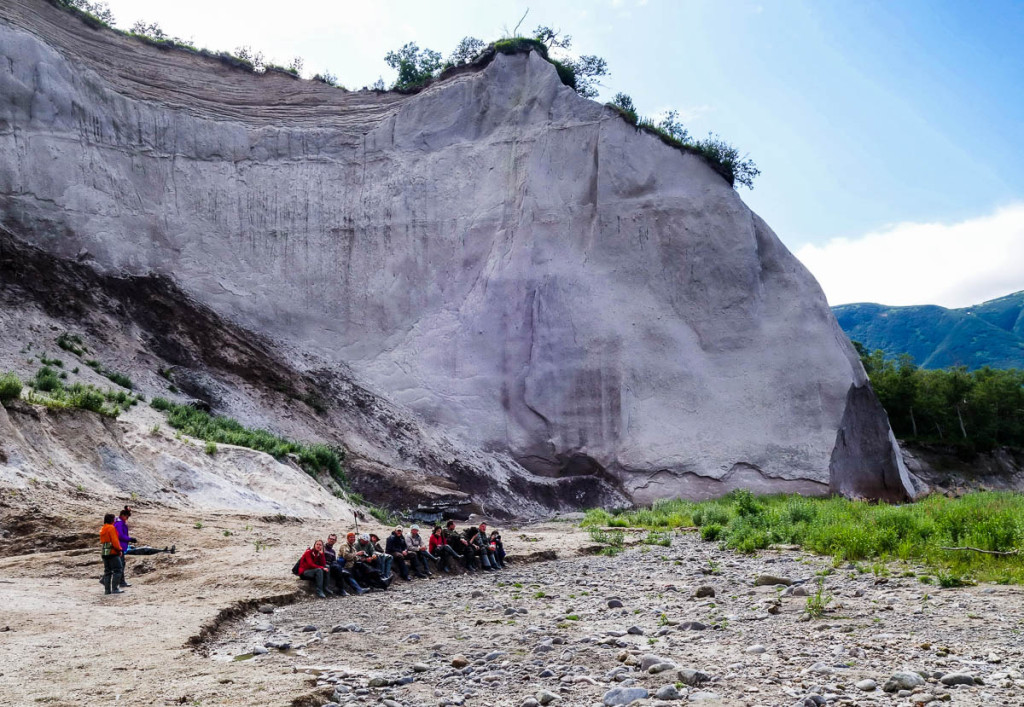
<point>987,334</point>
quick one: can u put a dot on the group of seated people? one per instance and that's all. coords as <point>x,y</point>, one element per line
<point>361,564</point>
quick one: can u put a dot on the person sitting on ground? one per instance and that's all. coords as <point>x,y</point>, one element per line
<point>475,539</point>
<point>486,548</point>
<point>398,547</point>
<point>110,550</point>
<point>359,565</point>
<point>336,568</point>
<point>386,559</point>
<point>458,543</point>
<point>123,537</point>
<point>499,548</point>
<point>374,559</point>
<point>418,547</point>
<point>440,548</point>
<point>313,566</point>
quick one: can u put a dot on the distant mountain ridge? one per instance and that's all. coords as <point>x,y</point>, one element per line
<point>986,334</point>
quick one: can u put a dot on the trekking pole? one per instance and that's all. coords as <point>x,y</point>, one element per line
<point>355,515</point>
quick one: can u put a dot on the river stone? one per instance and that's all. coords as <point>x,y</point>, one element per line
<point>614,604</point>
<point>623,695</point>
<point>459,661</point>
<point>546,697</point>
<point>770,580</point>
<point>691,677</point>
<point>704,697</point>
<point>867,685</point>
<point>667,692</point>
<point>903,681</point>
<point>957,679</point>
<point>605,277</point>
<point>704,591</point>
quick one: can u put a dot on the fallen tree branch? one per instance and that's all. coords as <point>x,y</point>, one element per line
<point>987,552</point>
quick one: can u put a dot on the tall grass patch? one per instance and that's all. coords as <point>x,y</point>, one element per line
<point>852,531</point>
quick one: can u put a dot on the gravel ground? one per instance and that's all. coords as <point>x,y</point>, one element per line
<point>687,622</point>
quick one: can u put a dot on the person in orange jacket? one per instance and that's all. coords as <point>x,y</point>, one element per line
<point>111,552</point>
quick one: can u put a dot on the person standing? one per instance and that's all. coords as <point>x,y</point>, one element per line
<point>121,526</point>
<point>313,566</point>
<point>110,550</point>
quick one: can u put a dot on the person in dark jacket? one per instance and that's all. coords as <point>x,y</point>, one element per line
<point>336,568</point>
<point>457,542</point>
<point>499,548</point>
<point>398,548</point>
<point>486,548</point>
<point>110,550</point>
<point>475,540</point>
<point>313,566</point>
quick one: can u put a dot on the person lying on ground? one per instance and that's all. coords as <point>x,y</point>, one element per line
<point>110,550</point>
<point>147,550</point>
<point>398,548</point>
<point>336,568</point>
<point>359,565</point>
<point>475,539</point>
<point>313,566</point>
<point>386,559</point>
<point>121,526</point>
<point>440,548</point>
<point>499,548</point>
<point>418,546</point>
<point>458,543</point>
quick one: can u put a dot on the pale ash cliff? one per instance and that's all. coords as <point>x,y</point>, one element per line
<point>517,266</point>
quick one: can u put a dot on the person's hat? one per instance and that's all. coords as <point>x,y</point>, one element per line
<point>414,527</point>
<point>365,537</point>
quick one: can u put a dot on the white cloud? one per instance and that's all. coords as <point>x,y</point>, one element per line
<point>953,265</point>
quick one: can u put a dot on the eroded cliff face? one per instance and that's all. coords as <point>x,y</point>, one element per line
<point>515,264</point>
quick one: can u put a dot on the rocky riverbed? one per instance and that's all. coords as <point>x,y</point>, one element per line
<point>655,624</point>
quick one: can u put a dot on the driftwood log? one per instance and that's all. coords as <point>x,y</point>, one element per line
<point>987,552</point>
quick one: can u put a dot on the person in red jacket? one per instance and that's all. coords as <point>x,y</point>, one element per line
<point>440,549</point>
<point>313,566</point>
<point>111,552</point>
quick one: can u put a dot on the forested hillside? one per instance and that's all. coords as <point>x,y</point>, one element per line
<point>987,334</point>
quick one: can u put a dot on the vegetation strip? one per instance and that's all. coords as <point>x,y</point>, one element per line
<point>932,532</point>
<point>216,429</point>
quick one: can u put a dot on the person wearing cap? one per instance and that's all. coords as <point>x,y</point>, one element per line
<point>357,562</point>
<point>378,559</point>
<point>125,539</point>
<point>398,548</point>
<point>336,568</point>
<point>442,550</point>
<point>418,547</point>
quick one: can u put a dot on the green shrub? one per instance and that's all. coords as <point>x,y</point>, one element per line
<point>215,429</point>
<point>72,343</point>
<point>711,531</point>
<point>10,387</point>
<point>119,378</point>
<point>211,448</point>
<point>47,380</point>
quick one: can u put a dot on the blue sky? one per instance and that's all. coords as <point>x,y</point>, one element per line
<point>866,118</point>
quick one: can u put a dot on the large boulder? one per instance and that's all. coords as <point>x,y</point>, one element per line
<point>516,264</point>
